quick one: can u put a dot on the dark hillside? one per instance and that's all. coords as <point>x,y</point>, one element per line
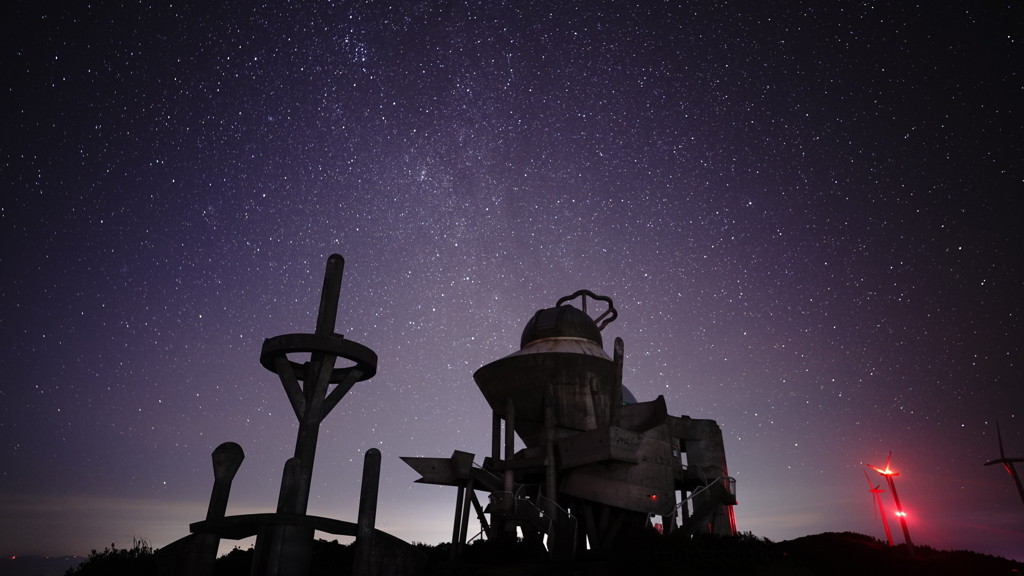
<point>828,554</point>
<point>847,553</point>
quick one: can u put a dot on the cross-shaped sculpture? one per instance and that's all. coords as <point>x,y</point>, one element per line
<point>311,400</point>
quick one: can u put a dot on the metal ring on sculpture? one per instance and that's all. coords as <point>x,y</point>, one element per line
<point>335,344</point>
<point>611,307</point>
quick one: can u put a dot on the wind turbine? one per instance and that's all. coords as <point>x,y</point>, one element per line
<point>1007,463</point>
<point>888,473</point>
<point>877,493</point>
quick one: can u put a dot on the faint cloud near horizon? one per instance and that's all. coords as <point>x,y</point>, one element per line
<point>90,522</point>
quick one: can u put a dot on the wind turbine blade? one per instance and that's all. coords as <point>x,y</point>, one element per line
<point>1000,436</point>
<point>887,462</point>
<point>873,493</point>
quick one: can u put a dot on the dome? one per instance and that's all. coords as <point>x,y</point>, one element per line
<point>560,322</point>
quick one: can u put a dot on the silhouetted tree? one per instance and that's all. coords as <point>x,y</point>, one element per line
<point>135,561</point>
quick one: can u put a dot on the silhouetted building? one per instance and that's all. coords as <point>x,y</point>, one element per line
<point>598,466</point>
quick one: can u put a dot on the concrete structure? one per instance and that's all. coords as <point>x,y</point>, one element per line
<point>196,553</point>
<point>284,539</point>
<point>597,466</point>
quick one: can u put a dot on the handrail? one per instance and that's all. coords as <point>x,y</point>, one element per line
<point>480,467</point>
<point>706,487</point>
<point>482,532</point>
<point>699,469</point>
<point>564,511</point>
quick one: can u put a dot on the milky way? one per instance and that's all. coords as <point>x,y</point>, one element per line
<point>806,217</point>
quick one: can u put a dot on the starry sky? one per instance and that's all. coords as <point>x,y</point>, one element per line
<point>805,213</point>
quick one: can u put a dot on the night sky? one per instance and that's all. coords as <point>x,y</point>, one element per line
<point>807,216</point>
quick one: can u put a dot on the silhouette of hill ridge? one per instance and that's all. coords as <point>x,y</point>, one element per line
<point>849,553</point>
<point>827,554</point>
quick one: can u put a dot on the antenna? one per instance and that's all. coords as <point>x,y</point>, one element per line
<point>1007,463</point>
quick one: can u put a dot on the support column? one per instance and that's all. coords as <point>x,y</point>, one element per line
<point>227,458</point>
<point>318,373</point>
<point>203,547</point>
<point>495,438</point>
<point>497,527</point>
<point>616,413</point>
<point>510,442</point>
<point>466,503</point>
<point>510,448</point>
<point>314,388</point>
<point>457,524</point>
<point>283,550</point>
<point>550,478</point>
<point>364,563</point>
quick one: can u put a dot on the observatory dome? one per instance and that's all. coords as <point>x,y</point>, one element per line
<point>560,322</point>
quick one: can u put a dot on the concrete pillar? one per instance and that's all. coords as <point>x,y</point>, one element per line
<point>318,375</point>
<point>510,441</point>
<point>616,410</point>
<point>457,523</point>
<point>510,449</point>
<point>495,437</point>
<point>227,458</point>
<point>549,449</point>
<point>203,547</point>
<point>364,563</point>
<point>466,503</point>
<point>315,385</point>
<point>284,550</point>
<point>289,486</point>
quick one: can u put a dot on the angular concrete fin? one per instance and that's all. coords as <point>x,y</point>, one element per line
<point>643,416</point>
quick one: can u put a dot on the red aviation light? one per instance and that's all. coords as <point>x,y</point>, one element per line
<point>887,471</point>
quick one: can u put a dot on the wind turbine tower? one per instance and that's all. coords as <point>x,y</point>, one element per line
<point>1007,463</point>
<point>888,473</point>
<point>877,493</point>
